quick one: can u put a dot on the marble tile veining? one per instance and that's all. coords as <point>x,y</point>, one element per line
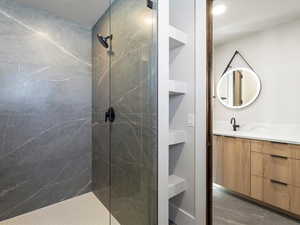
<point>127,77</point>
<point>45,109</point>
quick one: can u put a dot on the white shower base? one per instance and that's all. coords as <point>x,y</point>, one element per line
<point>83,210</point>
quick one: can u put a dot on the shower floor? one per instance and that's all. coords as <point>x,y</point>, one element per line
<point>83,210</point>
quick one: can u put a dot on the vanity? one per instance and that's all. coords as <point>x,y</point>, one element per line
<point>262,170</point>
<point>259,161</point>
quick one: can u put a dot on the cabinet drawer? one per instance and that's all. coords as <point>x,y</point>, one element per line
<point>257,164</point>
<point>279,149</point>
<point>295,200</point>
<point>277,168</point>
<point>257,146</point>
<point>277,194</point>
<point>295,149</point>
<point>295,172</point>
<point>257,185</point>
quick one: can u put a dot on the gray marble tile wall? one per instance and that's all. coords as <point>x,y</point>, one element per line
<point>45,109</point>
<point>125,168</point>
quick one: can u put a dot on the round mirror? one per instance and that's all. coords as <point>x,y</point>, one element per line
<point>238,88</point>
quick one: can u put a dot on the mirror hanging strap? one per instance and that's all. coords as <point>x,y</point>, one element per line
<point>231,60</point>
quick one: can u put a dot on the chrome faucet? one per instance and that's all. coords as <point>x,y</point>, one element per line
<point>233,123</point>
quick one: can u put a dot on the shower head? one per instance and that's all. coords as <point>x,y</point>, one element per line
<point>103,40</point>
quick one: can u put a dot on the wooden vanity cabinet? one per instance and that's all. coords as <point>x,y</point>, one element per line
<point>218,159</point>
<point>295,174</point>
<point>295,190</point>
<point>262,170</point>
<point>277,194</point>
<point>277,168</point>
<point>257,187</point>
<point>257,170</point>
<point>236,165</point>
<point>231,163</point>
<point>257,164</point>
<point>295,200</point>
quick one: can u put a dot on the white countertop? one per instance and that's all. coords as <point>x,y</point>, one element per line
<point>283,133</point>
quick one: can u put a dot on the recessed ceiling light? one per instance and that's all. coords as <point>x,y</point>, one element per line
<point>219,9</point>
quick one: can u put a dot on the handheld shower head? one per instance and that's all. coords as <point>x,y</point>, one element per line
<point>103,40</point>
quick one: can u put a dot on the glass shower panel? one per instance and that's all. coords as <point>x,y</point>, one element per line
<point>100,129</point>
<point>134,99</point>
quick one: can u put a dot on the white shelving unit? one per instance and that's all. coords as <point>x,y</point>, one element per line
<point>177,37</point>
<point>178,59</point>
<point>177,137</point>
<point>176,186</point>
<point>177,88</point>
<point>171,42</point>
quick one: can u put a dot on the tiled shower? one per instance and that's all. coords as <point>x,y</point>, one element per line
<point>56,83</point>
<point>125,78</point>
<point>98,110</point>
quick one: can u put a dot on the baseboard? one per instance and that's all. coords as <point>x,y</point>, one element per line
<point>180,217</point>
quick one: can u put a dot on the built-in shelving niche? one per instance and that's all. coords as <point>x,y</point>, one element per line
<point>177,37</point>
<point>177,137</point>
<point>176,186</point>
<point>177,88</point>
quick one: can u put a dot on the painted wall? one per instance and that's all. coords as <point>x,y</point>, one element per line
<point>45,109</point>
<point>274,54</point>
<point>182,68</point>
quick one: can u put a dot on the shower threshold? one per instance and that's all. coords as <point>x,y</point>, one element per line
<point>82,210</point>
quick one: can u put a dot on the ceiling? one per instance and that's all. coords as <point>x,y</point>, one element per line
<point>84,12</point>
<point>241,18</point>
<point>247,16</point>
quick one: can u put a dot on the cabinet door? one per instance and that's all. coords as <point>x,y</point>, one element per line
<point>218,160</point>
<point>295,200</point>
<point>236,165</point>
<point>295,173</point>
<point>257,164</point>
<point>257,185</point>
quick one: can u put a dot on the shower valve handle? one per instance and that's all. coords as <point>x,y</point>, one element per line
<point>110,115</point>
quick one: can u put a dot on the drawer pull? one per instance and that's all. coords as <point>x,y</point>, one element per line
<point>279,156</point>
<point>279,143</point>
<point>278,182</point>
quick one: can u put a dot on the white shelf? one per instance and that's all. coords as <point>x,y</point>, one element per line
<point>177,87</point>
<point>177,137</point>
<point>176,186</point>
<point>177,37</point>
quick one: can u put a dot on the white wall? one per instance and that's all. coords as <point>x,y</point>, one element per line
<point>275,56</point>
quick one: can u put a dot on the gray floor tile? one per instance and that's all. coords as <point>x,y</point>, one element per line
<point>229,209</point>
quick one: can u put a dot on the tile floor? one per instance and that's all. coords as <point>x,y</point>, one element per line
<point>83,210</point>
<point>228,210</point>
<point>231,210</point>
